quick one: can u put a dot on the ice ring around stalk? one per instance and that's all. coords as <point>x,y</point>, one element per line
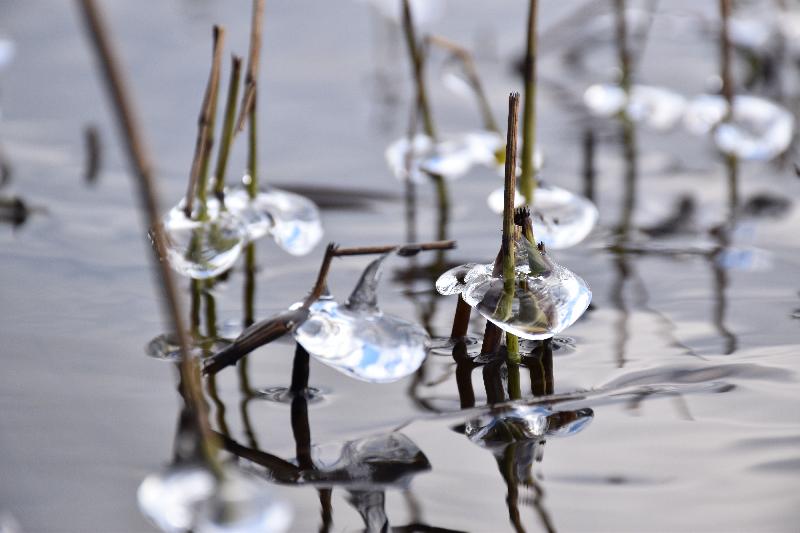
<point>658,108</point>
<point>202,249</point>
<point>542,304</point>
<point>560,218</point>
<point>359,340</point>
<point>759,129</point>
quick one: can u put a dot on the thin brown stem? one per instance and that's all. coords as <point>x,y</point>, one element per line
<point>725,54</point>
<point>417,64</point>
<point>140,162</point>
<point>622,46</point>
<point>402,249</point>
<point>205,130</point>
<point>253,59</point>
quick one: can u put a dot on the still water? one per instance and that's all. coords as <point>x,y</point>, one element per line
<point>676,398</point>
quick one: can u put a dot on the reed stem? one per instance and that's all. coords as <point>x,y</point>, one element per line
<point>247,113</point>
<point>622,46</point>
<point>417,64</point>
<point>198,175</point>
<point>140,162</point>
<point>725,55</point>
<point>509,274</point>
<point>528,182</point>
<point>227,129</point>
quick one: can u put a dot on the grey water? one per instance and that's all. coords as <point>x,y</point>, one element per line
<point>682,378</point>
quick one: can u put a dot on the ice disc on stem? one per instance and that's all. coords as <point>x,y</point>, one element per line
<point>656,107</point>
<point>204,248</point>
<point>560,218</point>
<point>357,339</point>
<point>540,306</point>
<point>758,129</point>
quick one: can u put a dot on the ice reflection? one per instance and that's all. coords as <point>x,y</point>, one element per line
<point>503,426</point>
<point>758,129</point>
<point>358,339</point>
<point>189,498</point>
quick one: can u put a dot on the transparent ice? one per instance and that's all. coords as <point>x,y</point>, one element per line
<point>759,129</point>
<point>403,157</point>
<point>292,219</point>
<point>455,79</point>
<point>171,498</point>
<point>560,218</point>
<point>202,249</point>
<point>543,302</point>
<point>455,280</point>
<point>358,339</point>
<point>656,107</point>
<point>498,428</point>
<point>424,12</point>
<point>451,158</point>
